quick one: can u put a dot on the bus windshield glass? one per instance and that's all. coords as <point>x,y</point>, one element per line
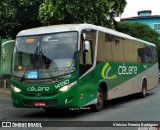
<point>45,56</point>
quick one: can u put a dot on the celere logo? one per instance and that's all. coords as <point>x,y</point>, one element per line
<point>37,89</point>
<point>127,70</point>
<point>105,71</point>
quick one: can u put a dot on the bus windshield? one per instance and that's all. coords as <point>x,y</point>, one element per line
<point>45,56</point>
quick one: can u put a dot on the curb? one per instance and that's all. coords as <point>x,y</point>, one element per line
<point>5,92</point>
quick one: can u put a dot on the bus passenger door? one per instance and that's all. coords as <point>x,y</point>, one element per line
<point>86,57</point>
<point>86,73</point>
<point>87,50</point>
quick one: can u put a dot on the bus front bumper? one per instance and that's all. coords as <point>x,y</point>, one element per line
<point>66,99</point>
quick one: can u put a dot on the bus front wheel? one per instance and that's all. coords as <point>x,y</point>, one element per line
<point>100,101</point>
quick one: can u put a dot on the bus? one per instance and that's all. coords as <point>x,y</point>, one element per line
<point>79,65</point>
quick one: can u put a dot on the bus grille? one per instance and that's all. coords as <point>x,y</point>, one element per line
<point>39,94</point>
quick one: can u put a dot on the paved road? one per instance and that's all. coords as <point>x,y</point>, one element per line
<point>130,108</point>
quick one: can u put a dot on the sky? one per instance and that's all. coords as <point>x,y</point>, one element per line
<point>133,6</point>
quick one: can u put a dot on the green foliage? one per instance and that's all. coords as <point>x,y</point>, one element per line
<point>98,12</point>
<point>141,31</point>
<point>17,15</point>
<point>6,76</point>
<point>7,18</point>
<point>47,8</point>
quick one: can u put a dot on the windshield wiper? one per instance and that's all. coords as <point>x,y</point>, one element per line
<point>50,74</point>
<point>23,76</point>
<point>41,62</point>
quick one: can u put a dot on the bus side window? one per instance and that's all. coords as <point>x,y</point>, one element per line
<point>104,52</point>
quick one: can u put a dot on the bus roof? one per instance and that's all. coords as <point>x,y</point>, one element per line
<point>76,27</point>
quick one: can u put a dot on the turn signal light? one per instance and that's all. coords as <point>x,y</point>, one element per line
<point>19,67</point>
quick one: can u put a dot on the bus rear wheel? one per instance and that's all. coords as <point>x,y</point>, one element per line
<point>143,94</point>
<point>100,101</point>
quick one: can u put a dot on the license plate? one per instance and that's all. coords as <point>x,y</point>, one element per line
<point>39,104</point>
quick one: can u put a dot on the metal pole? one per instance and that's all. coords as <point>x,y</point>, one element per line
<point>5,84</point>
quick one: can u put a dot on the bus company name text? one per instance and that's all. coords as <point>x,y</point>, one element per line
<point>38,89</point>
<point>127,70</point>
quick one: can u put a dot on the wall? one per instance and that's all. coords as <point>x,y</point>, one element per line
<point>148,21</point>
<point>5,64</point>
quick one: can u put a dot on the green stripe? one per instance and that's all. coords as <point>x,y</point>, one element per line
<point>123,71</point>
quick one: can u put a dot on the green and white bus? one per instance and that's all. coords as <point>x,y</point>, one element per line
<point>79,65</point>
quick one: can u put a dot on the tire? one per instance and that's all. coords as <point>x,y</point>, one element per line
<point>143,94</point>
<point>100,101</point>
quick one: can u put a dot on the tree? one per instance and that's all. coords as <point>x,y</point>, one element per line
<point>141,31</point>
<point>7,18</point>
<point>98,12</point>
<point>17,15</point>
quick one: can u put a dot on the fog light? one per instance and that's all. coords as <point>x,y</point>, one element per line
<point>81,95</point>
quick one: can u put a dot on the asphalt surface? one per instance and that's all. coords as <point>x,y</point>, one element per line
<point>130,108</point>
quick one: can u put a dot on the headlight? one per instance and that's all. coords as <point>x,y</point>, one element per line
<point>15,89</point>
<point>67,87</point>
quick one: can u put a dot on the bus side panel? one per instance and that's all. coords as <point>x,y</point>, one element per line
<point>87,89</point>
<point>151,76</point>
<point>125,78</point>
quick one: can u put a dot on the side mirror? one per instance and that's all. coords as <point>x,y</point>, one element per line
<point>86,46</point>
